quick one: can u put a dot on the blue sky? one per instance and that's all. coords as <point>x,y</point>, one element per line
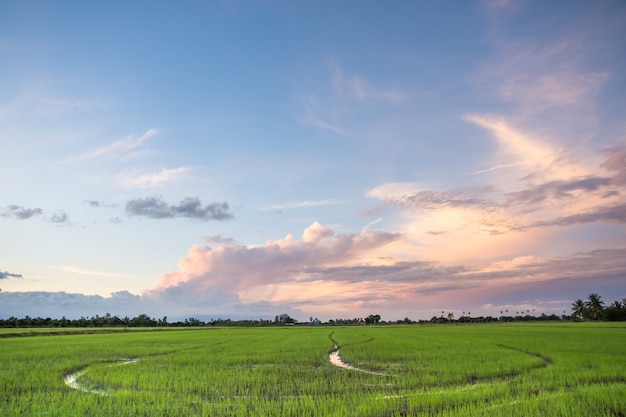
<point>329,159</point>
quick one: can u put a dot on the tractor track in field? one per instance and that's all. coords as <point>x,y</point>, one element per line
<point>73,378</point>
<point>546,360</point>
<point>335,358</point>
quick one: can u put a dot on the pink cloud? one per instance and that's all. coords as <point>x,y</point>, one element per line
<point>238,268</point>
<point>330,275</point>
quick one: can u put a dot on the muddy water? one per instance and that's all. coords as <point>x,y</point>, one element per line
<point>336,360</point>
<point>71,379</point>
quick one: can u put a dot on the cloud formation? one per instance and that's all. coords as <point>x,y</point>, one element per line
<point>175,303</point>
<point>21,213</point>
<point>152,180</point>
<point>119,148</point>
<point>332,106</point>
<point>240,269</point>
<point>305,203</point>
<point>97,204</point>
<point>189,207</point>
<point>59,216</point>
<point>347,273</point>
<point>5,275</point>
<point>599,196</point>
<point>219,239</point>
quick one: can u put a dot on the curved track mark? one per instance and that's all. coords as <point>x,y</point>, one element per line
<point>337,360</point>
<point>546,360</point>
<point>72,378</point>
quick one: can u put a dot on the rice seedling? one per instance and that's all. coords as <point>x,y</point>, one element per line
<point>506,370</point>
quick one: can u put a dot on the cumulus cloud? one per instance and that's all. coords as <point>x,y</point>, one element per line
<point>316,232</point>
<point>21,213</point>
<point>5,275</point>
<point>189,207</point>
<point>59,216</point>
<point>240,268</point>
<point>348,273</point>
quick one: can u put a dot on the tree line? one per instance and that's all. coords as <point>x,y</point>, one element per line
<point>142,320</point>
<point>592,308</point>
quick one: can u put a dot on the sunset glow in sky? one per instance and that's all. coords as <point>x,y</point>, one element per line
<point>242,159</point>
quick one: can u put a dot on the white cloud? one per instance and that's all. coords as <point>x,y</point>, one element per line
<point>80,271</point>
<point>155,179</point>
<point>237,268</point>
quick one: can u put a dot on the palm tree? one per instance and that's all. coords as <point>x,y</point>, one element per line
<point>579,309</point>
<point>595,305</point>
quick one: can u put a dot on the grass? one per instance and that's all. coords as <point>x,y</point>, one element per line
<point>576,369</point>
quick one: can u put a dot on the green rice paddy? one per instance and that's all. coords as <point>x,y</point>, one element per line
<point>564,369</point>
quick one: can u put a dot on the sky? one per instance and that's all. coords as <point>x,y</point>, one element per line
<point>243,159</point>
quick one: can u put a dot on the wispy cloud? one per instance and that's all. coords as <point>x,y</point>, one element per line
<point>314,113</point>
<point>539,75</point>
<point>359,88</point>
<point>118,148</point>
<point>515,149</point>
<point>573,200</point>
<point>80,271</point>
<point>97,203</point>
<point>30,102</point>
<point>305,203</point>
<point>152,180</point>
<point>333,104</point>
<point>5,275</point>
<point>189,207</point>
<point>219,239</point>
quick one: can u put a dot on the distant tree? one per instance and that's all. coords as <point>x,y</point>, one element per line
<point>579,308</point>
<point>285,319</point>
<point>615,312</point>
<point>372,319</point>
<point>595,305</point>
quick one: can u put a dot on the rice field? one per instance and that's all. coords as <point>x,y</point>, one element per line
<point>564,369</point>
